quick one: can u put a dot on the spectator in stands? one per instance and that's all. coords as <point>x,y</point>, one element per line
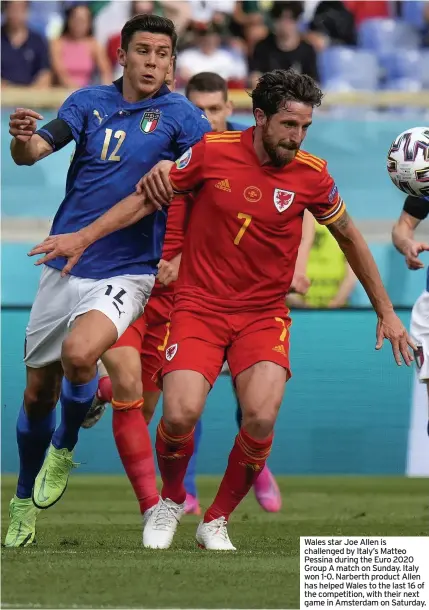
<point>208,56</point>
<point>76,54</point>
<point>248,24</point>
<point>332,279</point>
<point>24,53</point>
<point>331,24</point>
<point>284,48</point>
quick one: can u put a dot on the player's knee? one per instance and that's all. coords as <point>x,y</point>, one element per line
<point>180,416</point>
<point>126,386</point>
<point>259,423</point>
<point>40,401</point>
<point>77,357</point>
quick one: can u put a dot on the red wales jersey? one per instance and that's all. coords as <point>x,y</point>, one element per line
<point>246,222</point>
<point>174,236</point>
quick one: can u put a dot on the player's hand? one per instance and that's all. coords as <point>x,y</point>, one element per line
<point>412,252</point>
<point>390,327</point>
<point>69,245</point>
<point>300,283</point>
<point>23,123</point>
<point>156,184</point>
<point>168,271</point>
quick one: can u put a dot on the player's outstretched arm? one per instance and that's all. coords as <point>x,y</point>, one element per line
<point>404,242</point>
<point>73,245</point>
<point>26,146</point>
<point>358,254</point>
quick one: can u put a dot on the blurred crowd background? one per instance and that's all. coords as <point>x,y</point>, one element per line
<point>376,44</point>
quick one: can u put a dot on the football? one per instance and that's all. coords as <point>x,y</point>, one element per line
<point>408,161</point>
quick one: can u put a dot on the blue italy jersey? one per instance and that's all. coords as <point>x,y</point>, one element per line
<point>116,144</point>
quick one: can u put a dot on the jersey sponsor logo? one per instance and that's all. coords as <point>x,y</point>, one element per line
<point>252,194</point>
<point>184,160</point>
<point>332,195</point>
<point>283,199</point>
<point>223,185</point>
<point>150,121</point>
<point>171,351</point>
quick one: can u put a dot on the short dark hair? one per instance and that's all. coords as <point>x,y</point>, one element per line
<point>295,9</point>
<point>276,88</point>
<point>148,23</point>
<point>207,82</point>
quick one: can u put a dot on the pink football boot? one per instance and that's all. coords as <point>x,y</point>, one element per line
<point>192,506</point>
<point>267,492</point>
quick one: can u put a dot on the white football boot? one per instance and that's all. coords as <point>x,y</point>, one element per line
<point>160,524</point>
<point>213,536</point>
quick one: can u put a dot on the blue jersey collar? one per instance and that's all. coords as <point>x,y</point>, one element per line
<point>163,91</point>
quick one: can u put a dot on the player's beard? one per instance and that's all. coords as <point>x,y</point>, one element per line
<point>280,153</point>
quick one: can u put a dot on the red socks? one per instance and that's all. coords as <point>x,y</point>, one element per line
<point>173,453</point>
<point>245,463</point>
<point>135,450</point>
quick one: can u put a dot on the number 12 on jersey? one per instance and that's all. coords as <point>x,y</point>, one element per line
<point>120,136</point>
<point>247,220</point>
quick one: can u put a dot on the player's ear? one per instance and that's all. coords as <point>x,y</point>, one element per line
<point>230,108</point>
<point>260,117</point>
<point>122,57</point>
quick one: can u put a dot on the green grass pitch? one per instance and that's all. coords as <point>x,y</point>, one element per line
<point>88,552</point>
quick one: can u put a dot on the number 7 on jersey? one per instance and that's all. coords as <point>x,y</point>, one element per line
<point>247,220</point>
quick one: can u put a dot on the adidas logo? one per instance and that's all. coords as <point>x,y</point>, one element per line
<point>280,349</point>
<point>223,185</point>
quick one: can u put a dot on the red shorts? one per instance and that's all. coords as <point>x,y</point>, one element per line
<point>157,315</point>
<point>201,340</point>
<point>149,336</point>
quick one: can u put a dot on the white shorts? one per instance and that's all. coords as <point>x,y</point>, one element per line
<point>420,333</point>
<point>60,300</point>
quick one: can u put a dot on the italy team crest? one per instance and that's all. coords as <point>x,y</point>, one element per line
<point>283,199</point>
<point>150,121</point>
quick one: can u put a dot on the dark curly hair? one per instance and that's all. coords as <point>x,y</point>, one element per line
<point>276,88</point>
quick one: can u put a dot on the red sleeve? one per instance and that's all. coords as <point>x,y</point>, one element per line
<point>188,172</point>
<point>328,205</point>
<point>177,222</point>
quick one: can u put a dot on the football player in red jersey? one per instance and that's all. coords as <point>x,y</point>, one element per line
<point>149,334</point>
<point>237,264</point>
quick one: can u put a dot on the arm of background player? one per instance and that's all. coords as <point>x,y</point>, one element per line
<point>403,232</point>
<point>363,264</point>
<point>300,281</point>
<point>73,245</point>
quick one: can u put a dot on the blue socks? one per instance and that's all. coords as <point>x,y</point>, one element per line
<point>33,437</point>
<point>190,483</point>
<point>75,401</point>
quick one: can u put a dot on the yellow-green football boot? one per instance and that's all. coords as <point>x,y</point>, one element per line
<point>22,526</point>
<point>51,482</point>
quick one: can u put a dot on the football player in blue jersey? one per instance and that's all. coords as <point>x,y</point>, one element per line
<point>121,131</point>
